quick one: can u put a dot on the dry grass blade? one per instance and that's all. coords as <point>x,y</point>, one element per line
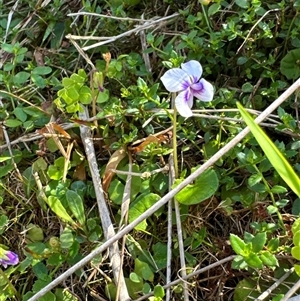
<point>112,164</point>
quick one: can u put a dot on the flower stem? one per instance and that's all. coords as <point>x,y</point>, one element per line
<point>174,138</point>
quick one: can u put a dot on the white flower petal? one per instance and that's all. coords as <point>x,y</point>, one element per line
<point>206,93</point>
<point>193,69</point>
<point>174,80</point>
<point>183,103</point>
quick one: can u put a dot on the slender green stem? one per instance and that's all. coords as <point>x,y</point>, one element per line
<point>174,138</point>
<point>206,18</point>
<point>281,223</point>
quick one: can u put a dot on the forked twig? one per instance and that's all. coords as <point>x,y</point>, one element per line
<point>168,196</point>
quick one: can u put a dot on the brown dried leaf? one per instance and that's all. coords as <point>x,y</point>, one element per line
<point>113,163</point>
<point>80,172</point>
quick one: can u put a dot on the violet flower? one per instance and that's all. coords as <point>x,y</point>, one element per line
<point>187,82</point>
<point>8,258</point>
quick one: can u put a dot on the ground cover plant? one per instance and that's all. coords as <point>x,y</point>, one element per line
<point>127,170</point>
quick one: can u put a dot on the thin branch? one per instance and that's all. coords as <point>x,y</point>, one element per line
<point>146,25</point>
<point>197,272</point>
<point>192,177</point>
<point>292,291</point>
<point>265,294</point>
<point>106,16</point>
<point>107,225</point>
<point>258,21</point>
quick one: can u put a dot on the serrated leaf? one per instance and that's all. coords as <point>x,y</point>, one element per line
<point>258,242</point>
<point>76,206</point>
<point>268,259</point>
<point>203,188</point>
<point>254,261</point>
<point>237,244</point>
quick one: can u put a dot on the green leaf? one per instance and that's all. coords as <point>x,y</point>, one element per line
<point>237,244</point>
<point>141,204</point>
<point>273,244</point>
<point>67,82</point>
<point>296,252</point>
<point>205,186</point>
<point>42,70</point>
<point>64,295</point>
<point>276,158</point>
<point>268,259</point>
<point>12,123</point>
<point>143,270</point>
<point>297,269</point>
<point>296,239</point>
<point>278,189</point>
<point>160,255</point>
<point>254,179</point>
<point>242,3</point>
<point>34,233</point>
<point>159,291</point>
<point>254,261</point>
<point>296,226</point>
<point>72,93</point>
<point>134,277</point>
<point>289,65</point>
<point>258,242</point>
<point>20,114</point>
<point>103,96</point>
<point>214,8</point>
<point>76,206</point>
<point>66,238</point>
<point>21,78</point>
<point>85,95</point>
<point>57,207</point>
<point>7,47</point>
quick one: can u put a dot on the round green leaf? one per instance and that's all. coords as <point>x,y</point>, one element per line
<point>296,252</point>
<point>203,188</point>
<point>21,77</point>
<point>290,64</point>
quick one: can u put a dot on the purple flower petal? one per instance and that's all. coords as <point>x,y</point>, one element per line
<point>203,90</point>
<point>174,80</point>
<point>9,258</point>
<point>193,69</point>
<point>184,102</point>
